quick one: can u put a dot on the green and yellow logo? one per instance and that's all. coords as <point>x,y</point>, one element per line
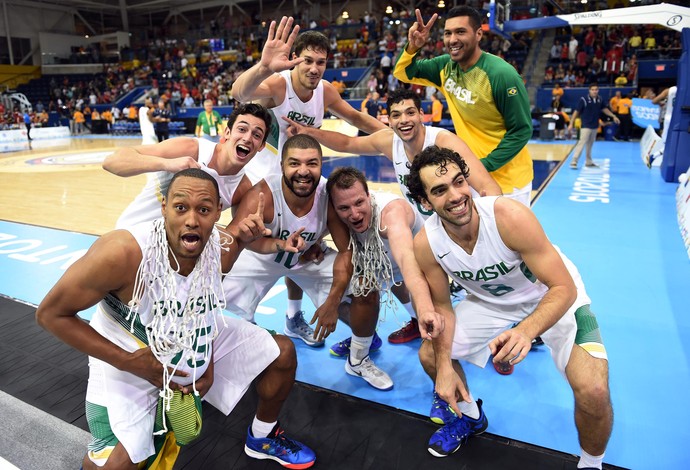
<point>512,91</point>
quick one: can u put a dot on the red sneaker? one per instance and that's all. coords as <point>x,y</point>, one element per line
<point>504,368</point>
<point>407,333</point>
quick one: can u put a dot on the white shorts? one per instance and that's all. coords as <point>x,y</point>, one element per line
<point>253,275</point>
<point>241,351</point>
<point>478,322</point>
<point>523,195</point>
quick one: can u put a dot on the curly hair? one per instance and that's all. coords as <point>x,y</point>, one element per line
<point>432,156</point>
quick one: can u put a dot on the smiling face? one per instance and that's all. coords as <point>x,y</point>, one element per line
<point>447,193</point>
<point>462,40</point>
<point>302,171</point>
<point>353,206</point>
<point>190,210</point>
<point>405,119</point>
<point>309,72</point>
<point>245,139</point>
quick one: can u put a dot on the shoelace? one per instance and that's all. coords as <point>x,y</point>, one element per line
<point>302,323</point>
<point>370,367</point>
<point>458,429</point>
<point>284,441</point>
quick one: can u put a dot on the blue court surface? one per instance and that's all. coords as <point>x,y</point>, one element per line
<point>617,223</point>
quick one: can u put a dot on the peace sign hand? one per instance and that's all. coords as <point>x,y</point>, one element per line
<point>294,242</point>
<point>276,53</point>
<point>419,33</point>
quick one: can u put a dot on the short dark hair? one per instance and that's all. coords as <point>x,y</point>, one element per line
<point>464,10</point>
<point>300,141</point>
<point>594,84</point>
<point>255,110</point>
<point>311,40</point>
<point>345,177</point>
<point>401,94</point>
<point>432,156</point>
<point>193,173</point>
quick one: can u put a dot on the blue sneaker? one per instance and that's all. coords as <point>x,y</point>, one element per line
<point>278,447</point>
<point>342,349</point>
<point>441,412</point>
<point>450,437</point>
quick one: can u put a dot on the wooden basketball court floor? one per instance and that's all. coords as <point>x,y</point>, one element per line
<point>64,188</point>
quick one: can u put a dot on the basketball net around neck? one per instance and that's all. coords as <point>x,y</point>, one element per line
<point>372,268</point>
<point>174,328</point>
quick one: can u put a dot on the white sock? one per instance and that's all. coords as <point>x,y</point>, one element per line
<point>359,348</point>
<point>294,306</point>
<point>410,310</point>
<point>586,460</point>
<point>471,410</point>
<point>262,429</point>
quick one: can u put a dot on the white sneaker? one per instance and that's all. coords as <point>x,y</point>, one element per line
<point>369,372</point>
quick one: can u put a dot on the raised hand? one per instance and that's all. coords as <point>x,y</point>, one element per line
<point>252,227</point>
<point>276,53</point>
<point>419,33</point>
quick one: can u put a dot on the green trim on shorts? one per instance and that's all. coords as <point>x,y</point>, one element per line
<point>102,435</point>
<point>587,327</point>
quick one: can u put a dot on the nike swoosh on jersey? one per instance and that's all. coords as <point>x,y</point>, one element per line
<point>443,255</point>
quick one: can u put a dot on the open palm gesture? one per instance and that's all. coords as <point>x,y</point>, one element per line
<point>276,53</point>
<point>419,33</point>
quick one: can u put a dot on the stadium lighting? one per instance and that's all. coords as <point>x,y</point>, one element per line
<point>441,4</point>
<point>584,2</point>
<point>346,15</point>
<point>389,10</point>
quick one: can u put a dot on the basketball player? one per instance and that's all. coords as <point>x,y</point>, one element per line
<point>497,250</point>
<point>288,81</point>
<point>405,138</point>
<point>159,326</point>
<point>486,96</point>
<point>381,228</point>
<point>245,135</point>
<point>148,133</point>
<point>297,201</point>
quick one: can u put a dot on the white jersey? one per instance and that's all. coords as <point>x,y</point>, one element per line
<point>286,222</point>
<point>147,205</point>
<point>148,134</point>
<point>309,113</point>
<point>668,114</point>
<point>253,274</point>
<point>493,272</point>
<point>111,319</point>
<point>381,199</point>
<point>401,164</point>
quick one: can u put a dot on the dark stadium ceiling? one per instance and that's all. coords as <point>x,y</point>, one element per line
<point>112,15</point>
